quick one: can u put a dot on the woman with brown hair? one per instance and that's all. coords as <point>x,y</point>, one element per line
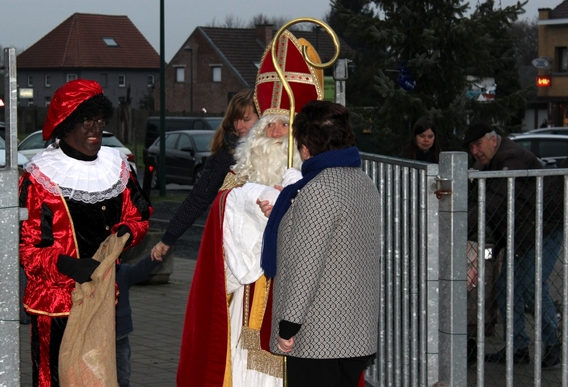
<point>240,118</point>
<point>423,144</point>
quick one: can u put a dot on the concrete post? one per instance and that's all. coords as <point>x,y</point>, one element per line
<point>10,216</point>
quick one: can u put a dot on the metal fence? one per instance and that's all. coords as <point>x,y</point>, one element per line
<point>408,316</point>
<point>427,314</point>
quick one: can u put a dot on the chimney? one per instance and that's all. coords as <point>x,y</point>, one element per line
<point>264,33</point>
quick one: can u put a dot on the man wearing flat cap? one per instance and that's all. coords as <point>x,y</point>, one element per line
<point>495,153</point>
<point>77,193</point>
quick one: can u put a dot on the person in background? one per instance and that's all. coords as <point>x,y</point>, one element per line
<point>544,123</point>
<point>495,153</point>
<point>423,144</point>
<point>77,193</point>
<point>240,117</point>
<point>126,276</point>
<point>321,246</point>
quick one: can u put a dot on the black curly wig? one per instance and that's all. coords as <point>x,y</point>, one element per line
<point>93,107</point>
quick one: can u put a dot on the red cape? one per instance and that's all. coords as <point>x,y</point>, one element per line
<point>205,332</point>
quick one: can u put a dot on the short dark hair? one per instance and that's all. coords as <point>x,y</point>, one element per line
<point>323,126</point>
<point>94,106</point>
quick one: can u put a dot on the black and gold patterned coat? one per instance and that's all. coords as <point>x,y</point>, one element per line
<point>328,267</point>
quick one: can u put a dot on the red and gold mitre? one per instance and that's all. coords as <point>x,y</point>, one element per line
<point>305,81</point>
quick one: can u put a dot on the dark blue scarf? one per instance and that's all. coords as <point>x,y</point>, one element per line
<point>348,157</point>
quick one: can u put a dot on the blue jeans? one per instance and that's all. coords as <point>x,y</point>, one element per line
<point>524,292</point>
<point>123,361</point>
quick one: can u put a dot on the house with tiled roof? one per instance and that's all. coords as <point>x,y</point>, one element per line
<point>552,79</point>
<point>215,63</point>
<point>106,48</point>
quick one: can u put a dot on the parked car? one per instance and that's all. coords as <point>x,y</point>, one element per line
<point>186,152</point>
<point>22,160</point>
<point>2,130</point>
<point>178,123</point>
<point>544,146</point>
<point>35,143</point>
<point>552,130</point>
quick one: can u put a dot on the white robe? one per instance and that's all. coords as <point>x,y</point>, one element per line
<point>243,228</point>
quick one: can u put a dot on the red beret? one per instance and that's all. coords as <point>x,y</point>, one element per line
<point>306,82</point>
<point>65,100</point>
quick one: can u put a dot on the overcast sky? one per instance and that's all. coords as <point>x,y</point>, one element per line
<point>24,22</point>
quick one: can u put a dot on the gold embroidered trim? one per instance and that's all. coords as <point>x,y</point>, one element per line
<point>70,222</point>
<point>231,182</point>
<point>44,313</point>
<point>258,359</point>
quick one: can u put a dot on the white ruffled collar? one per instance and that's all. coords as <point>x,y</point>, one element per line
<point>85,181</point>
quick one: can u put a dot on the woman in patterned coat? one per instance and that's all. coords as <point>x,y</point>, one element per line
<point>324,231</point>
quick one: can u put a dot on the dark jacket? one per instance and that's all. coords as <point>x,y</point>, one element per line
<point>126,276</point>
<point>428,156</point>
<point>511,156</point>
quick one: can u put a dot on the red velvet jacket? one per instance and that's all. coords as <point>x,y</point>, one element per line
<point>49,231</point>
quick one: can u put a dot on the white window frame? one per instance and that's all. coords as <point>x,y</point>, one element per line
<point>121,80</point>
<point>216,75</point>
<point>180,74</point>
<point>151,80</point>
<point>47,79</point>
<point>47,101</point>
<point>30,80</point>
<point>71,77</point>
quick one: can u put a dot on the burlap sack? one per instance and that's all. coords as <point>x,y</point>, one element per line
<point>87,356</point>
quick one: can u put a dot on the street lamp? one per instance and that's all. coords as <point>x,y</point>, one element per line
<point>187,48</point>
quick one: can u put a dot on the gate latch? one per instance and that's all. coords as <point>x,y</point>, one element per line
<point>443,187</point>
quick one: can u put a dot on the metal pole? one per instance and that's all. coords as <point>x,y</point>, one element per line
<point>452,186</point>
<point>340,75</point>
<point>10,216</point>
<point>162,161</point>
<point>191,81</point>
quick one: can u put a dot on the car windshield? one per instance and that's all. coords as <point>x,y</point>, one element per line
<point>111,141</point>
<point>203,141</point>
<point>215,122</point>
<point>2,143</point>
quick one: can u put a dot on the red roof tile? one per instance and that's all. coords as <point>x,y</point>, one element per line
<point>78,43</point>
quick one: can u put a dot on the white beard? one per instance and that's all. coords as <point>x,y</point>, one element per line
<point>261,159</point>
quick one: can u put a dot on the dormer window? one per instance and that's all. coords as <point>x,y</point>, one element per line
<point>110,42</point>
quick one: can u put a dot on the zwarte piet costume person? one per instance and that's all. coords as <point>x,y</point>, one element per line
<point>77,193</point>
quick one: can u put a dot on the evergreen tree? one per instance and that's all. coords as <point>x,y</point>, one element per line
<point>423,52</point>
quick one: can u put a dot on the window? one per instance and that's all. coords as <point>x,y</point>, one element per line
<point>110,42</point>
<point>121,80</point>
<point>150,81</point>
<point>30,102</point>
<point>47,101</point>
<point>104,80</point>
<point>184,142</point>
<point>180,74</point>
<point>216,72</point>
<point>561,60</point>
<point>171,141</point>
<point>30,80</point>
<point>47,80</point>
<point>71,77</point>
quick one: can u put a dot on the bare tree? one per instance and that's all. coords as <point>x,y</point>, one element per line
<point>232,21</point>
<point>525,33</point>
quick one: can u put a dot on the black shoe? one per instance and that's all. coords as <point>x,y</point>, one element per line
<point>521,356</point>
<point>552,356</point>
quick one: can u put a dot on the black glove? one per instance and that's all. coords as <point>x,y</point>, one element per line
<point>78,269</point>
<point>123,229</point>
